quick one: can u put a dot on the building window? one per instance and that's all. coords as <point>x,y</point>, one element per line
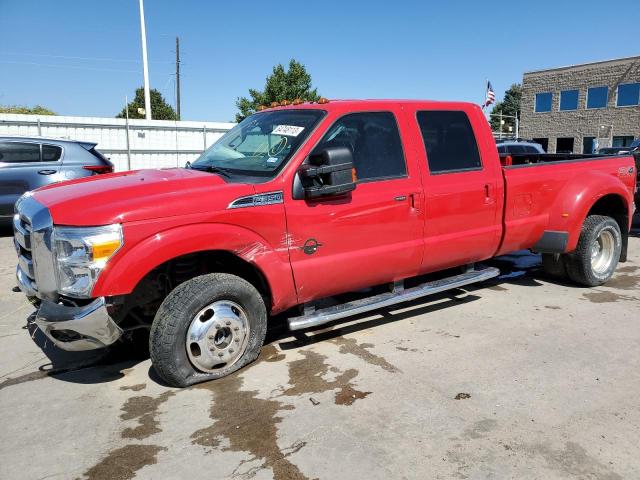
<point>569,100</point>
<point>628,94</point>
<point>588,145</point>
<point>449,141</point>
<point>544,142</point>
<point>564,145</point>
<point>543,102</point>
<point>597,97</point>
<point>622,141</point>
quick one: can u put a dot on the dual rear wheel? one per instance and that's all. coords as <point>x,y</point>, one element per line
<point>596,256</point>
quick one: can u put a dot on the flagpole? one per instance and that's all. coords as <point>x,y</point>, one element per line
<point>486,87</point>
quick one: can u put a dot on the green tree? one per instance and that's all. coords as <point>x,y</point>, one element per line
<point>36,110</point>
<point>280,85</point>
<point>160,109</point>
<point>510,105</point>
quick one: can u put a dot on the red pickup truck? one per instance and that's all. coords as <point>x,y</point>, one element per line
<point>296,204</point>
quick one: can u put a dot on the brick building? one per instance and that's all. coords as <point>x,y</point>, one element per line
<point>572,108</point>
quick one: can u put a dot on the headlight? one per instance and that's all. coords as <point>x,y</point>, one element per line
<point>81,254</point>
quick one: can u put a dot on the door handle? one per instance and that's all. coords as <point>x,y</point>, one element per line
<point>46,172</point>
<point>487,193</point>
<point>414,200</point>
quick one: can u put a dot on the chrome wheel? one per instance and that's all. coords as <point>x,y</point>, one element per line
<point>602,251</point>
<point>217,336</point>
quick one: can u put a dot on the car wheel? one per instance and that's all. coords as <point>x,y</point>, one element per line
<point>207,328</point>
<point>595,259</point>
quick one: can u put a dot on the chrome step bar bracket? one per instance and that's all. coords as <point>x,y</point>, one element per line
<point>329,314</point>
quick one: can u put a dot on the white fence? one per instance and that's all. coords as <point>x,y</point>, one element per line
<point>151,143</point>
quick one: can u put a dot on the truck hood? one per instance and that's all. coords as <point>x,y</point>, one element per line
<point>138,195</point>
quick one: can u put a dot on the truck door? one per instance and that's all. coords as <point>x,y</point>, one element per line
<point>372,235</point>
<point>25,166</point>
<point>463,190</point>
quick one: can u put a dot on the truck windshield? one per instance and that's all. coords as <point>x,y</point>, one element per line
<point>260,145</point>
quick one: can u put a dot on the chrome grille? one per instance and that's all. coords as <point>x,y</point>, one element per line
<point>22,239</point>
<point>33,228</point>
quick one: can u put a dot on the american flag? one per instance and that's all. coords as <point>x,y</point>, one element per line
<point>491,96</point>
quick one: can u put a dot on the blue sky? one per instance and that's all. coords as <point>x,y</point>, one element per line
<point>81,57</point>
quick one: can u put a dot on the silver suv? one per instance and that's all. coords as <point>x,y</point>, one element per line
<point>513,146</point>
<point>27,163</point>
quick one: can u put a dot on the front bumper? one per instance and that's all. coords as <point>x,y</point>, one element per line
<point>78,328</point>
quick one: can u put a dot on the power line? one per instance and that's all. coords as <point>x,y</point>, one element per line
<point>69,57</point>
<point>77,67</point>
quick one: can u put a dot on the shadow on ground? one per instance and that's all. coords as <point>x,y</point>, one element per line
<point>6,231</point>
<point>95,366</point>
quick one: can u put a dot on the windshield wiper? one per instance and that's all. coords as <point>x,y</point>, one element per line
<point>213,169</point>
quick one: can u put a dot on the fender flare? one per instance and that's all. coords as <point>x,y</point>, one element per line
<point>569,211</point>
<point>125,270</point>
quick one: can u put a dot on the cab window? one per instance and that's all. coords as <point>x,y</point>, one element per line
<point>374,139</point>
<point>448,141</point>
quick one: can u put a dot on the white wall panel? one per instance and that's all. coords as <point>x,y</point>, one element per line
<point>153,144</point>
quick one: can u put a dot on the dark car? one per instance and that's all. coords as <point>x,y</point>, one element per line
<point>613,150</point>
<point>27,163</point>
<point>519,146</point>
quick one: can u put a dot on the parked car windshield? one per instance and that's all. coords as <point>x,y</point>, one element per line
<point>261,144</point>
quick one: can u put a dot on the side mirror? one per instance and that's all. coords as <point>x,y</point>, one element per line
<point>330,171</point>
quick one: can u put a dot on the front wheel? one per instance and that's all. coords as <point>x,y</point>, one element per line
<point>207,328</point>
<point>595,259</point>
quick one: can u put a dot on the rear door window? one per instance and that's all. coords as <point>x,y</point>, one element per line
<point>19,152</point>
<point>449,141</point>
<point>51,153</point>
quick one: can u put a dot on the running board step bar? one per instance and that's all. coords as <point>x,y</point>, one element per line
<point>399,295</point>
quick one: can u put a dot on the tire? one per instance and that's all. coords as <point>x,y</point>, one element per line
<point>554,265</point>
<point>224,316</point>
<point>595,259</point>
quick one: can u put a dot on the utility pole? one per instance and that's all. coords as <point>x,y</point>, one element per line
<point>178,76</point>
<point>145,66</point>
<point>126,109</point>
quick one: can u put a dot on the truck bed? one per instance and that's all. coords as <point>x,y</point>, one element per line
<point>542,192</point>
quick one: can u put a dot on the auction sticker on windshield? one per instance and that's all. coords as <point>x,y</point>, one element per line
<point>288,130</point>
